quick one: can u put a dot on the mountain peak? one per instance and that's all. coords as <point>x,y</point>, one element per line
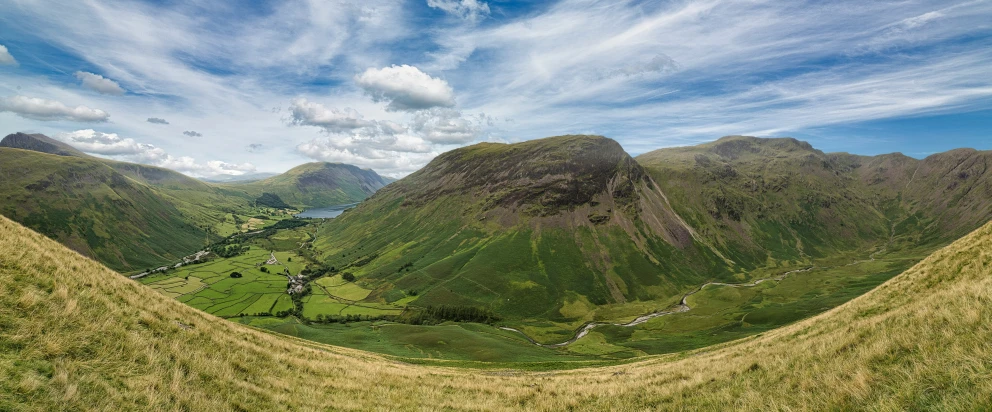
<point>544,175</point>
<point>40,143</point>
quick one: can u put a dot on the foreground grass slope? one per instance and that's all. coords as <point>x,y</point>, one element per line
<point>75,335</point>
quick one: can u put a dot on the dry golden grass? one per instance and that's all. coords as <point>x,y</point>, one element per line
<point>75,335</point>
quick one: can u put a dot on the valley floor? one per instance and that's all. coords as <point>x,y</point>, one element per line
<point>79,336</point>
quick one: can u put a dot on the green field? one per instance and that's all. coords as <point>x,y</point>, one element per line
<point>210,287</point>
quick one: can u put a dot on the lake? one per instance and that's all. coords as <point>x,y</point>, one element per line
<point>326,212</point>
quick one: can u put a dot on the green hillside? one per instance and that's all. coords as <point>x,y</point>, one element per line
<point>132,216</point>
<point>551,234</point>
<point>773,199</point>
<point>91,208</point>
<point>79,336</point>
<point>317,184</point>
<point>544,232</point>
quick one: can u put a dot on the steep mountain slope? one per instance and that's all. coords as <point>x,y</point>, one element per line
<point>780,199</point>
<point>88,206</point>
<point>133,216</point>
<point>549,229</point>
<point>78,336</point>
<point>317,184</point>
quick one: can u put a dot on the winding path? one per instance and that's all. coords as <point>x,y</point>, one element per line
<point>680,308</point>
<point>684,307</point>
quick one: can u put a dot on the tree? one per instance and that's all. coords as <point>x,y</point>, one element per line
<point>348,277</point>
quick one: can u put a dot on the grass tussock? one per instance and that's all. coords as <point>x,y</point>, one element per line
<point>75,335</point>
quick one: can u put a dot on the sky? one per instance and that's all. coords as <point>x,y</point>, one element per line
<point>213,88</point>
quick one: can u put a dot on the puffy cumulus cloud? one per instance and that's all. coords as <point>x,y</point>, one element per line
<point>50,110</point>
<point>386,158</point>
<point>470,10</point>
<point>113,145</point>
<point>157,120</point>
<point>99,83</point>
<point>445,126</point>
<point>191,133</point>
<point>332,120</point>
<point>406,88</point>
<point>5,57</point>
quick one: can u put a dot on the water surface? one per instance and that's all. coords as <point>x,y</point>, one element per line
<point>326,212</point>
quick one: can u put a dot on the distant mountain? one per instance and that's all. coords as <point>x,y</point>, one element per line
<point>248,177</point>
<point>317,184</point>
<point>40,143</point>
<point>132,216</point>
<point>759,199</point>
<point>557,229</point>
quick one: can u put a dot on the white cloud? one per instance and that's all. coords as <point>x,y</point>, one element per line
<point>445,126</point>
<point>113,145</point>
<point>99,83</point>
<point>50,110</point>
<point>406,88</point>
<point>470,10</point>
<point>359,152</point>
<point>5,57</point>
<point>307,113</point>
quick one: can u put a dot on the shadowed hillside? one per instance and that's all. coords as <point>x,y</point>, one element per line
<point>549,228</point>
<point>79,336</point>
<point>317,184</point>
<point>780,199</point>
<point>132,216</point>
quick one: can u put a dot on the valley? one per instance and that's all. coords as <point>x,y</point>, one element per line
<point>673,281</point>
<point>576,255</point>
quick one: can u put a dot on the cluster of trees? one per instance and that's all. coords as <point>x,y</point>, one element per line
<point>321,318</point>
<point>271,200</point>
<point>225,250</point>
<point>433,315</point>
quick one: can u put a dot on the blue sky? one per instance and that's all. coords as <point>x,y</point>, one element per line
<point>235,87</point>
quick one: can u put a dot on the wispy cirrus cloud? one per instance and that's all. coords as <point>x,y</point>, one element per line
<point>395,84</point>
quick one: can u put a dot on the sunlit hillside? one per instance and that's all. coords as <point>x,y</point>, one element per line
<point>75,335</point>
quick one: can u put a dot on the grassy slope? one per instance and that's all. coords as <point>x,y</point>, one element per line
<point>132,216</point>
<point>508,227</point>
<point>85,204</point>
<point>317,184</point>
<point>78,336</point>
<point>773,199</point>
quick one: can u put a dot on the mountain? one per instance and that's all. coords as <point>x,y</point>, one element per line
<point>40,143</point>
<point>544,229</point>
<point>317,184</point>
<point>555,232</point>
<point>132,216</point>
<point>761,200</point>
<point>79,336</point>
<point>90,207</point>
<point>247,177</point>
